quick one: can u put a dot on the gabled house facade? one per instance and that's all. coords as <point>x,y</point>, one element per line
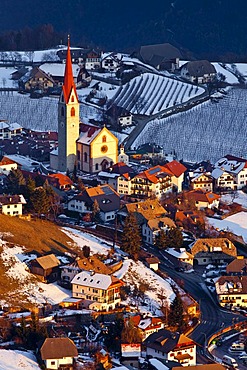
<point>107,198</point>
<point>232,291</point>
<point>11,205</point>
<point>171,346</point>
<point>203,199</point>
<point>7,164</point>
<point>230,172</point>
<point>8,130</point>
<point>147,325</point>
<point>99,291</point>
<point>214,250</point>
<point>202,181</point>
<point>111,62</point>
<point>37,79</point>
<point>58,353</point>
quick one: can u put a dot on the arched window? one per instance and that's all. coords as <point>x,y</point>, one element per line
<point>72,112</point>
<point>72,99</point>
<point>62,111</point>
<point>104,139</point>
<point>85,157</point>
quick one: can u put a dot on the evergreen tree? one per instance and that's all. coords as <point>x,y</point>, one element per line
<point>40,201</point>
<point>161,240</point>
<point>131,238</point>
<point>174,238</point>
<point>175,317</point>
<point>86,251</point>
<point>16,182</point>
<point>96,211</point>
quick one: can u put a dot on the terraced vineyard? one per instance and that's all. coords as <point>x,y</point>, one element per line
<point>208,131</point>
<point>150,94</point>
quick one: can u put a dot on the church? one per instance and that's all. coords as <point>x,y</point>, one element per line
<point>87,147</point>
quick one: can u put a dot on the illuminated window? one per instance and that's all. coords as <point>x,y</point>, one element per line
<point>72,112</point>
<point>104,139</point>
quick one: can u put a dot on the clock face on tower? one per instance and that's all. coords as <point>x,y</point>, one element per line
<point>104,149</point>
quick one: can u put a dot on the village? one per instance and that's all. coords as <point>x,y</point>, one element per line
<point>160,277</point>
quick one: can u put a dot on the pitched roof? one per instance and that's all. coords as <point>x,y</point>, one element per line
<point>5,160</point>
<point>167,341</point>
<point>95,280</point>
<point>176,168</point>
<point>230,164</point>
<point>55,348</point>
<point>88,133</point>
<point>166,51</point>
<point>148,209</point>
<point>200,195</point>
<point>237,266</point>
<point>199,68</point>
<point>231,285</point>
<point>12,199</point>
<point>223,245</point>
<point>48,261</point>
<point>157,223</point>
<point>154,174</point>
<point>61,179</point>
<point>69,83</point>
<point>93,263</point>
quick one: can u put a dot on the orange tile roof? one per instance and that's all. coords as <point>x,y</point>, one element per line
<point>6,160</point>
<point>61,178</point>
<point>176,168</point>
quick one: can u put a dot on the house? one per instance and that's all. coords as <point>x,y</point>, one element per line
<point>107,198</point>
<point>111,62</point>
<point>230,172</point>
<point>56,72</point>
<point>154,181</point>
<point>99,291</point>
<point>45,267</point>
<point>152,263</point>
<point>187,219</point>
<point>167,345</point>
<point>11,205</point>
<point>201,180</point>
<point>198,71</point>
<point>7,164</point>
<point>237,267</point>
<point>147,325</point>
<point>152,227</point>
<point>118,177</point>
<point>58,353</point>
<point>161,56</point>
<point>60,181</point>
<point>119,116</point>
<point>177,169</point>
<point>232,291</point>
<point>97,148</point>
<point>93,60</point>
<point>144,211</point>
<point>202,199</point>
<point>9,130</point>
<point>150,150</point>
<point>37,79</point>
<point>180,257</point>
<point>92,263</point>
<point>191,307</point>
<point>215,251</point>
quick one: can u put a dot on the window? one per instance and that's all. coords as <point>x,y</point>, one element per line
<point>104,139</point>
<point>85,157</point>
<point>96,167</point>
<point>72,112</point>
<point>72,99</point>
<point>53,362</point>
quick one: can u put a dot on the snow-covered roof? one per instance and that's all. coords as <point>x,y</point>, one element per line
<point>88,134</point>
<point>96,280</point>
<point>178,254</point>
<point>58,69</point>
<point>231,164</point>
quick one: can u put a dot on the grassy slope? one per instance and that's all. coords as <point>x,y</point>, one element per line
<point>40,237</point>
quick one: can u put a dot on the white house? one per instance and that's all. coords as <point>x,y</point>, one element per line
<point>151,228</point>
<point>57,353</point>
<point>232,291</point>
<point>7,130</point>
<point>111,61</point>
<point>230,172</point>
<point>7,164</point>
<point>11,205</point>
<point>99,291</point>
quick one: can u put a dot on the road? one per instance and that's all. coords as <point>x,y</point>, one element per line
<point>213,317</point>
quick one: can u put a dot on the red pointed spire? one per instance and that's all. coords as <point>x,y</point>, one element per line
<point>68,83</point>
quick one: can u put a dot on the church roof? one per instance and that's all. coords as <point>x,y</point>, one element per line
<point>68,83</point>
<point>88,133</point>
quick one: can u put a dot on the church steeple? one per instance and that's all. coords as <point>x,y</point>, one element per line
<point>69,83</point>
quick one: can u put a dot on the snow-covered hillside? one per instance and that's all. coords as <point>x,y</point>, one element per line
<point>151,93</point>
<point>14,360</point>
<point>208,131</point>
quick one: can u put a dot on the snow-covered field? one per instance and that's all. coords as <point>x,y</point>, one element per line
<point>238,197</point>
<point>236,223</point>
<point>151,93</point>
<point>14,360</point>
<point>208,131</point>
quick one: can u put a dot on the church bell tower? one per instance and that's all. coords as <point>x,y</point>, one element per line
<point>68,119</point>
